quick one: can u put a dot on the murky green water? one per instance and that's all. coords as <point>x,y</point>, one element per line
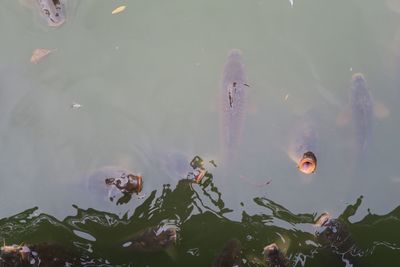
<point>147,80</point>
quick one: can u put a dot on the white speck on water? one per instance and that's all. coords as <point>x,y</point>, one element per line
<point>291,2</point>
<point>351,69</point>
<point>194,252</point>
<point>286,97</point>
<point>127,244</point>
<point>76,105</point>
<point>117,48</point>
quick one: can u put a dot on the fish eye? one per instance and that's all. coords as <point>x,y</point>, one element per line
<point>46,11</point>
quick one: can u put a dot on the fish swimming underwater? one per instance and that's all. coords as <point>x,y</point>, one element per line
<point>233,101</point>
<point>362,112</point>
<point>230,255</point>
<point>304,149</point>
<point>53,11</point>
<point>274,257</point>
<point>334,234</point>
<point>151,240</point>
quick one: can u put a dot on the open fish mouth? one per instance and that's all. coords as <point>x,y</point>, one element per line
<point>271,250</point>
<point>308,163</point>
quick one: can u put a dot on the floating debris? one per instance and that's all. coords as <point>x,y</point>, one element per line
<point>39,53</point>
<point>257,184</point>
<point>286,97</point>
<point>76,105</point>
<point>197,162</point>
<point>129,184</point>
<point>199,171</point>
<point>118,10</point>
<point>213,163</point>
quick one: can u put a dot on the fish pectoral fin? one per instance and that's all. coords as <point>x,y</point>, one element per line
<point>380,110</point>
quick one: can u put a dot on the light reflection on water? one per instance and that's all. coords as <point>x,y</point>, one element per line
<point>148,78</point>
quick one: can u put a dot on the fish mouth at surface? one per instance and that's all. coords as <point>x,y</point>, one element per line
<point>308,163</point>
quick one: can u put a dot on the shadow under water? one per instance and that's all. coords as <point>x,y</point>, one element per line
<point>186,226</point>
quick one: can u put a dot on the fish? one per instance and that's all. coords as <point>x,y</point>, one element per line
<point>151,240</point>
<point>274,257</point>
<point>334,234</point>
<point>44,254</point>
<point>233,91</point>
<point>113,182</point>
<point>304,147</point>
<point>362,112</point>
<point>231,255</point>
<point>53,11</point>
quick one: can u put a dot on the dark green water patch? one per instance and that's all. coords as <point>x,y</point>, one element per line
<point>93,238</point>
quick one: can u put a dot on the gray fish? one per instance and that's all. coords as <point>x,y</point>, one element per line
<point>151,240</point>
<point>304,148</point>
<point>231,255</point>
<point>53,11</point>
<point>233,100</point>
<point>362,111</point>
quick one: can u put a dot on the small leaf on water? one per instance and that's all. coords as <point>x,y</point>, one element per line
<point>118,10</point>
<point>286,97</point>
<point>38,54</point>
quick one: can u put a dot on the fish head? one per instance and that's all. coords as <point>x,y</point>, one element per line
<point>358,80</point>
<point>53,11</point>
<point>167,236</point>
<point>271,250</point>
<point>235,54</point>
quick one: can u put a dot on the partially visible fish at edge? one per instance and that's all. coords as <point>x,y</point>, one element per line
<point>233,101</point>
<point>53,11</point>
<point>362,111</point>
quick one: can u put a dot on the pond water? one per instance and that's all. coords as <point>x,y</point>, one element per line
<point>140,91</point>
